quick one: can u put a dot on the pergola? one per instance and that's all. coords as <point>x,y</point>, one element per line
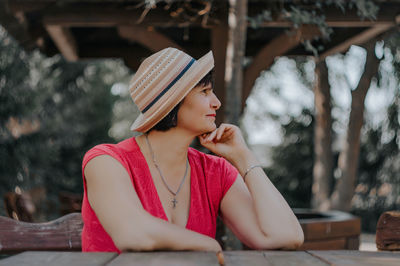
<point>126,29</point>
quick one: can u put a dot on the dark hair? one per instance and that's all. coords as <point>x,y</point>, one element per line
<point>171,120</point>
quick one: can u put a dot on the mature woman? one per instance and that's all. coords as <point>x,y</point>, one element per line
<point>154,192</point>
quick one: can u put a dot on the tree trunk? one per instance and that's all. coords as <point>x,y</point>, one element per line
<point>235,52</point>
<point>348,157</point>
<point>323,158</point>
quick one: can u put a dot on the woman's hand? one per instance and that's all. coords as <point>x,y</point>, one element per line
<point>226,141</point>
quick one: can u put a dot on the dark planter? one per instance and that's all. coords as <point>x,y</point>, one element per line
<point>329,229</point>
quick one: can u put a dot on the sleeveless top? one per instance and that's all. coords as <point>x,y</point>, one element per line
<point>211,178</point>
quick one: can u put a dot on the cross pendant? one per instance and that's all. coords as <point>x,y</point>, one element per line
<point>174,202</point>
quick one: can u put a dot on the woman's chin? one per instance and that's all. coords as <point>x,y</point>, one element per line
<point>208,129</point>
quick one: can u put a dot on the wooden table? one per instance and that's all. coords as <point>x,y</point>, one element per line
<point>309,258</point>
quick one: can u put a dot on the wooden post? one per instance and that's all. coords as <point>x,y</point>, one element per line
<point>235,53</point>
<point>323,162</point>
<point>65,42</point>
<point>151,39</point>
<point>219,39</point>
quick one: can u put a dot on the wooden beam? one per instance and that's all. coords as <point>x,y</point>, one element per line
<point>129,50</point>
<point>219,39</point>
<point>115,18</point>
<point>65,41</point>
<point>345,23</point>
<point>151,39</point>
<point>112,17</point>
<point>91,14</point>
<point>356,40</point>
<point>277,47</point>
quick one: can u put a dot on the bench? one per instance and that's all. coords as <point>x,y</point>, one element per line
<point>62,234</point>
<point>335,230</point>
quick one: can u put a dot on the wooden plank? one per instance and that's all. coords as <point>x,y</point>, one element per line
<point>107,14</point>
<point>353,257</point>
<point>58,258</point>
<point>84,259</point>
<point>248,257</point>
<point>188,258</point>
<point>61,234</point>
<point>65,41</point>
<point>110,16</point>
<point>328,244</point>
<point>294,258</point>
<point>151,39</point>
<point>30,258</point>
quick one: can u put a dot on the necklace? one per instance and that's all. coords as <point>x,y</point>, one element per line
<point>174,201</point>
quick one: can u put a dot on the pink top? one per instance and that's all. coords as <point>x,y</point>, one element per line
<point>211,178</point>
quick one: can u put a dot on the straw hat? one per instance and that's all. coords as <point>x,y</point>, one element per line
<point>162,81</point>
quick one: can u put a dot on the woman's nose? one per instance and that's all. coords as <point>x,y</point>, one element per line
<point>215,103</point>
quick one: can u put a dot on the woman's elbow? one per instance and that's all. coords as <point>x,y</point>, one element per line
<point>294,240</point>
<point>283,241</point>
<point>294,243</point>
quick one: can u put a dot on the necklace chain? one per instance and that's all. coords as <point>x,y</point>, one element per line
<point>174,201</point>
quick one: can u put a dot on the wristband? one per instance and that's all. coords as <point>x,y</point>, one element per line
<point>249,169</point>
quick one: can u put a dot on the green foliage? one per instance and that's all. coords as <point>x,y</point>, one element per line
<point>292,161</point>
<point>70,102</point>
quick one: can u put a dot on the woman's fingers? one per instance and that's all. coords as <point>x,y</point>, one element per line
<point>211,135</point>
<point>221,131</point>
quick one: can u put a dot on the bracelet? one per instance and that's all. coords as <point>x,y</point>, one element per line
<point>249,169</point>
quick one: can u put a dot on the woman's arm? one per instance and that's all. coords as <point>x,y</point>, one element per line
<point>254,210</point>
<point>119,210</point>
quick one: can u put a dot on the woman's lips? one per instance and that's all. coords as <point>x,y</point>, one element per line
<point>211,116</point>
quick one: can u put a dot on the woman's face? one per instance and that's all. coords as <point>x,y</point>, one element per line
<point>198,109</point>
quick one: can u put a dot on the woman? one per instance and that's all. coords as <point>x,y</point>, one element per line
<point>155,192</point>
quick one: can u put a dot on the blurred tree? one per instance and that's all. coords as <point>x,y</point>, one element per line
<point>291,170</point>
<point>349,154</point>
<point>51,113</point>
<point>378,187</point>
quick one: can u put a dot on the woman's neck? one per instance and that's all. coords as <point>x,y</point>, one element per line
<point>170,147</point>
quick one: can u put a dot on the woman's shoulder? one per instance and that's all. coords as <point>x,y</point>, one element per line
<point>115,150</point>
<point>126,145</point>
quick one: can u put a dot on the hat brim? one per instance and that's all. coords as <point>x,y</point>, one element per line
<point>200,68</point>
